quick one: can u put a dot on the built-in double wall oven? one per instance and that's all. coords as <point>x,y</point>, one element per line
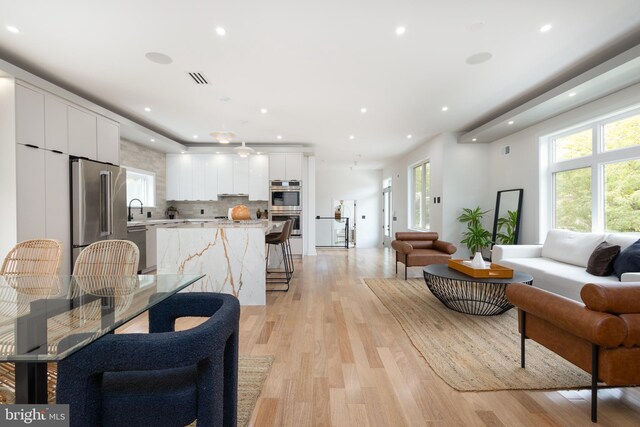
<point>286,203</point>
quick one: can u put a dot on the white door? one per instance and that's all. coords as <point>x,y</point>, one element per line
<point>386,217</point>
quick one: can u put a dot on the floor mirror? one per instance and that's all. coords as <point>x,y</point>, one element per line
<point>506,223</point>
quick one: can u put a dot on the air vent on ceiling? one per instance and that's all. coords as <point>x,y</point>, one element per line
<point>199,78</point>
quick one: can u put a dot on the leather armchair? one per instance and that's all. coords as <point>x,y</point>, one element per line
<point>163,378</point>
<point>415,249</point>
<point>601,336</point>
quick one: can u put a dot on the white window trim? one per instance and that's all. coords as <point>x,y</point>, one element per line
<point>411,187</point>
<point>155,184</point>
<point>596,161</point>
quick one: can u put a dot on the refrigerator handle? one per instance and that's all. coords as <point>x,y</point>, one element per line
<point>106,208</point>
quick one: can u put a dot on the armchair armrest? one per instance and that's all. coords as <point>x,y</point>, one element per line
<point>402,247</point>
<point>446,247</point>
<point>599,328</point>
<point>501,252</point>
<point>630,277</point>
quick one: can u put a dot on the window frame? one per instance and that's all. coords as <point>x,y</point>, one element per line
<point>154,185</point>
<point>596,162</point>
<point>424,201</point>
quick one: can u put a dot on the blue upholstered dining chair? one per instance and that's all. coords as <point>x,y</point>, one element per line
<point>163,378</point>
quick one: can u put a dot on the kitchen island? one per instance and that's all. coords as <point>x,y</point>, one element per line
<point>231,254</point>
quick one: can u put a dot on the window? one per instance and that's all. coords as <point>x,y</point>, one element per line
<point>141,185</point>
<point>419,200</point>
<point>593,179</point>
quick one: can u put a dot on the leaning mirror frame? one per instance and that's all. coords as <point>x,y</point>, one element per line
<point>506,222</point>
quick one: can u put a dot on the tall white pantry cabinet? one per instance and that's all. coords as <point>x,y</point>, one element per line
<point>49,129</point>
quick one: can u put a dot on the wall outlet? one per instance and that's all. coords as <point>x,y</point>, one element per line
<point>148,214</point>
<point>364,217</point>
<point>201,211</point>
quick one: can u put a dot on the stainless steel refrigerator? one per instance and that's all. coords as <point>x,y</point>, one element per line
<point>98,204</point>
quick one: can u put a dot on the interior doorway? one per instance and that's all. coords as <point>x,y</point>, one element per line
<point>387,214</point>
<point>341,233</point>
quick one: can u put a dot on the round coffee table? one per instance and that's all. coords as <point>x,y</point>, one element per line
<point>470,295</point>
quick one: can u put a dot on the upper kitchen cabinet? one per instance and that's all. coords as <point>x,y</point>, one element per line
<point>285,167</point>
<point>55,125</point>
<point>29,117</point>
<point>224,166</point>
<point>259,177</point>
<point>108,141</point>
<point>205,177</point>
<point>173,177</point>
<point>240,175</point>
<point>82,133</point>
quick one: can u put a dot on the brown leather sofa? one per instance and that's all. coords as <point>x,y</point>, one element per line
<point>417,249</point>
<point>601,337</point>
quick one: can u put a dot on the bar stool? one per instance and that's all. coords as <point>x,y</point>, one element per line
<point>280,238</point>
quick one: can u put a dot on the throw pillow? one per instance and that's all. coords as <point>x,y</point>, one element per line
<point>601,259</point>
<point>628,260</point>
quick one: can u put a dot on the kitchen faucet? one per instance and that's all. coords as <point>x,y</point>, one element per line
<point>130,217</point>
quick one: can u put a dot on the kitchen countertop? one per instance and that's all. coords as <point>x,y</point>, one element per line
<point>168,221</point>
<point>225,223</point>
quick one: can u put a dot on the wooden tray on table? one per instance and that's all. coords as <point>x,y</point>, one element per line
<point>496,271</point>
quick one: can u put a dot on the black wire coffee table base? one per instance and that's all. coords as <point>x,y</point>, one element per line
<point>465,294</point>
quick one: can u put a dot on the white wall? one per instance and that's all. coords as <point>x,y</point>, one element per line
<point>520,169</point>
<point>459,177</point>
<point>363,186</point>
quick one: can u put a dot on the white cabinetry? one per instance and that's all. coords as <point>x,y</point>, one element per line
<point>186,177</point>
<point>173,177</point>
<point>224,165</point>
<point>151,239</point>
<point>31,193</point>
<point>240,175</point>
<point>82,133</point>
<point>56,135</point>
<point>285,166</point>
<point>29,116</point>
<point>259,177</point>
<point>56,166</point>
<point>205,177</point>
<point>108,141</point>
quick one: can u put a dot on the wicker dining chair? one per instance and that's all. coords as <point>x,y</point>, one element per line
<point>38,257</point>
<point>108,258</point>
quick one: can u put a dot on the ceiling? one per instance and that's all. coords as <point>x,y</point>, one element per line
<point>314,65</point>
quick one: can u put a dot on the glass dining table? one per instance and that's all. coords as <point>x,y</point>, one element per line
<point>44,319</point>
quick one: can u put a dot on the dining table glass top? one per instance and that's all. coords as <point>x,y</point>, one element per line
<point>47,318</point>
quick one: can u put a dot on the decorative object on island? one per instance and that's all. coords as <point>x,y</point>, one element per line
<point>506,224</point>
<point>240,213</point>
<point>258,213</point>
<point>476,237</point>
<point>171,212</point>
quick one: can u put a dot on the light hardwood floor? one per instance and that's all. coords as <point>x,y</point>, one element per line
<point>341,359</point>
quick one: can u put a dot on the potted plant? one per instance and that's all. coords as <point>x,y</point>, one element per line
<point>508,222</point>
<point>172,212</point>
<point>476,237</point>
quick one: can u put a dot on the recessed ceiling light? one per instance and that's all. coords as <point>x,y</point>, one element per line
<point>158,58</point>
<point>572,94</point>
<point>474,139</point>
<point>445,108</point>
<point>409,136</point>
<point>147,109</point>
<point>258,152</point>
<point>182,152</point>
<point>221,31</point>
<point>217,152</point>
<point>152,140</point>
<point>545,28</point>
<point>351,137</point>
<point>195,136</point>
<point>478,58</point>
<point>263,111</point>
<point>510,122</point>
<point>279,136</point>
<point>12,29</point>
<point>363,110</point>
<point>224,99</point>
<point>401,30</point>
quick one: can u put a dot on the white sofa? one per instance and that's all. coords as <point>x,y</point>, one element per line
<point>559,265</point>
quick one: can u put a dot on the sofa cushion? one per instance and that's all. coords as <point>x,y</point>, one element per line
<point>571,247</point>
<point>601,260</point>
<point>622,240</point>
<point>628,260</point>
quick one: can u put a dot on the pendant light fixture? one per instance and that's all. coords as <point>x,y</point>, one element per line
<point>223,137</point>
<point>243,150</point>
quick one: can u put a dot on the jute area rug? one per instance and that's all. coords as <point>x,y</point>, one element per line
<point>252,373</point>
<point>473,353</point>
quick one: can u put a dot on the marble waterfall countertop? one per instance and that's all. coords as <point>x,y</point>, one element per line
<point>230,253</point>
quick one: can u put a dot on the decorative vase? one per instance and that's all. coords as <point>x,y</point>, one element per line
<point>258,214</point>
<point>478,262</point>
